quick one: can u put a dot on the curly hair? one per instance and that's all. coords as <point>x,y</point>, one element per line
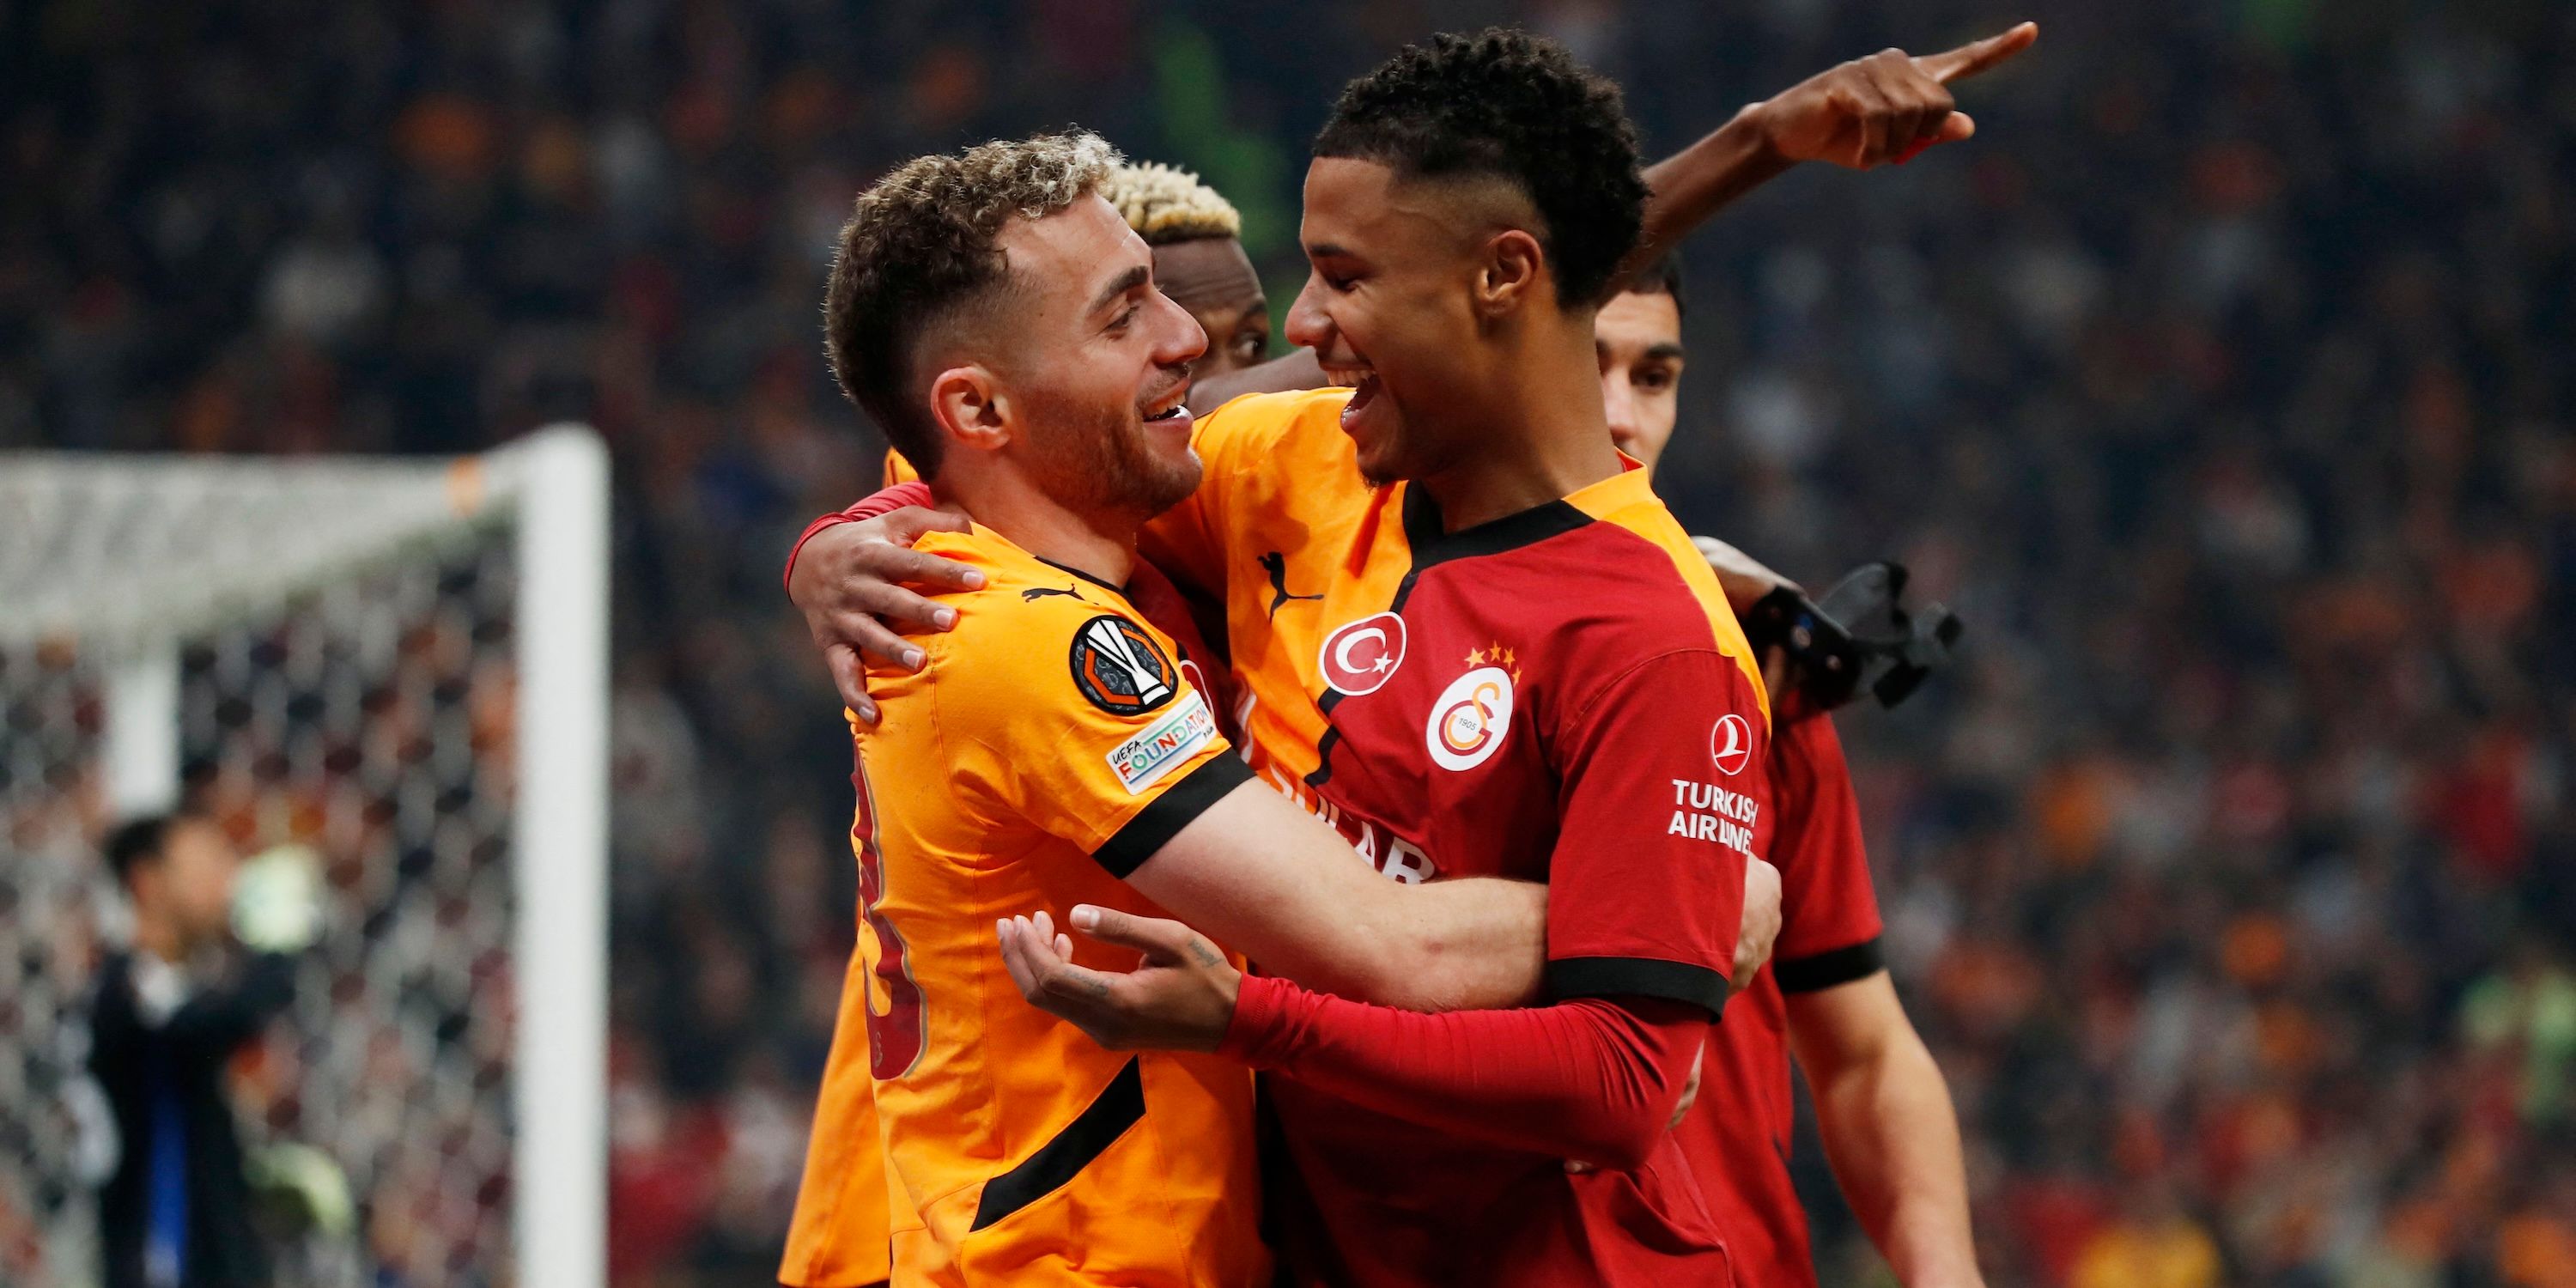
<point>1166,204</point>
<point>920,249</point>
<point>1510,105</point>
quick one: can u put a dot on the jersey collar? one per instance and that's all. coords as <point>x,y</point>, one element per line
<point>1423,530</point>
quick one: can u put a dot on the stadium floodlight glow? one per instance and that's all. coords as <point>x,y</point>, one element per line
<point>343,640</point>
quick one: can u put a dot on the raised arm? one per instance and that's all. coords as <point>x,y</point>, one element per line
<point>1879,110</point>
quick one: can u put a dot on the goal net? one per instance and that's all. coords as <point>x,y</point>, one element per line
<point>401,665</point>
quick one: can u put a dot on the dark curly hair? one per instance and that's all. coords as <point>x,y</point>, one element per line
<point>1512,105</point>
<point>921,247</point>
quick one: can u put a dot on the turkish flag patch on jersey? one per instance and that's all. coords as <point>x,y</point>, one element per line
<point>1119,668</point>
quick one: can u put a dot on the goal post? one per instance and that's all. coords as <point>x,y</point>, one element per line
<point>560,1153</point>
<point>114,566</point>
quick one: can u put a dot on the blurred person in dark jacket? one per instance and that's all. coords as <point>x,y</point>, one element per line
<point>208,968</point>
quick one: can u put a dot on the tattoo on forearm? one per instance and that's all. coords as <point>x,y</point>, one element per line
<point>1204,955</point>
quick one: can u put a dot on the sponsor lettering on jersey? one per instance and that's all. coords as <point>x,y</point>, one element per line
<point>1143,760</point>
<point>1708,812</point>
<point>1363,655</point>
<point>1394,857</point>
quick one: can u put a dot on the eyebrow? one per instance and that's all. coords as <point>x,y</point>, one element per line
<point>1127,281</point>
<point>1325,250</point>
<point>1665,350</point>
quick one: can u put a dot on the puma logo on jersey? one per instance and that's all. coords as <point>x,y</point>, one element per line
<point>1036,593</point>
<point>1276,564</point>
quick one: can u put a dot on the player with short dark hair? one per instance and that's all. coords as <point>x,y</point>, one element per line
<point>1882,1106</point>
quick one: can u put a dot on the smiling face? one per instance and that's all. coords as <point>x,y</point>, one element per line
<point>1087,380</point>
<point>1389,309</point>
<point>1638,337</point>
<point>1212,278</point>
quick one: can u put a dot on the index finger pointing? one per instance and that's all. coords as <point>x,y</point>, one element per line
<point>1978,56</point>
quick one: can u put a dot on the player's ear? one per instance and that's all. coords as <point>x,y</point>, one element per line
<point>970,407</point>
<point>1512,265</point>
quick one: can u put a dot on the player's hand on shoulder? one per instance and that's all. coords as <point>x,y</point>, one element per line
<point>1761,919</point>
<point>851,580</point>
<point>1180,997</point>
<point>1885,108</point>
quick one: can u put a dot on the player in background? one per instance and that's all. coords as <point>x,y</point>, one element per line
<point>999,319</point>
<point>1882,1106</point>
<point>1869,112</point>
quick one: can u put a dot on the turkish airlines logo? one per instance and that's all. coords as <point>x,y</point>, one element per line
<point>1730,744</point>
<point>1362,657</point>
<point>1470,719</point>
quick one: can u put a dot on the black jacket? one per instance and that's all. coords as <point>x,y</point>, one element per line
<point>188,1054</point>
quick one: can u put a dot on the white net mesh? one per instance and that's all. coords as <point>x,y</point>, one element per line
<point>364,709</point>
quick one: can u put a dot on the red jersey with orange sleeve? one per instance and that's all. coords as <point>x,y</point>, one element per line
<point>1560,695</point>
<point>1738,1132</point>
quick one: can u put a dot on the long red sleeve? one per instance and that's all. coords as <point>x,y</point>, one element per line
<point>882,501</point>
<point>1586,1079</point>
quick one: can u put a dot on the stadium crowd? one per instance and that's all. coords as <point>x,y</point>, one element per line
<point>2222,383</point>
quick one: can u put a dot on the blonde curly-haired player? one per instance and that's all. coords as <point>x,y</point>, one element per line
<point>1196,236</point>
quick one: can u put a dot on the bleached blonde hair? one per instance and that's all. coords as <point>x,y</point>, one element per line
<point>1166,204</point>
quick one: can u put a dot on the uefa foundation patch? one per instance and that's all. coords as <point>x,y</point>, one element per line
<point>1143,760</point>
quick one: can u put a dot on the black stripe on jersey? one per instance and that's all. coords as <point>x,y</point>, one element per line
<point>1164,816</point>
<point>1826,969</point>
<point>1120,1106</point>
<point>1637,977</point>
<point>1429,544</point>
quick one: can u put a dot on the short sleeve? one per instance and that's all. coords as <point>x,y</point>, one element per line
<point>1086,724</point>
<point>1829,927</point>
<point>1663,789</point>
